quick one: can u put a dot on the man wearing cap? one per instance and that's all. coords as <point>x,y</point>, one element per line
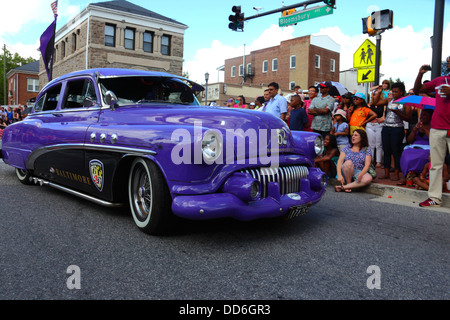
<point>321,108</point>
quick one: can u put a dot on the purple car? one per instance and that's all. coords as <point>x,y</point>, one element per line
<point>127,137</point>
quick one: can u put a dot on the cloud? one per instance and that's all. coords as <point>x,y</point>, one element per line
<point>209,59</point>
<point>25,13</point>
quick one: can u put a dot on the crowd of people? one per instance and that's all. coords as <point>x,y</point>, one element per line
<point>410,143</point>
<point>9,115</point>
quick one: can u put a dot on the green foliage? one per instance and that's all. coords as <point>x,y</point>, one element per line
<point>12,61</point>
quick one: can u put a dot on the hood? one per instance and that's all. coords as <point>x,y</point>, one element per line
<point>244,128</point>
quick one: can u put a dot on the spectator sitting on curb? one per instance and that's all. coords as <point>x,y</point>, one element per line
<point>354,163</point>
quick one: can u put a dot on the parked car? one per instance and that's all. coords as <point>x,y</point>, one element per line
<point>140,139</point>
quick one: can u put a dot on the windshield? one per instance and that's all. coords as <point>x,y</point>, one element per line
<point>137,90</point>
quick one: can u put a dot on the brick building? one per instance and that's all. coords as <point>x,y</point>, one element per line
<point>23,83</point>
<point>117,34</point>
<point>303,61</point>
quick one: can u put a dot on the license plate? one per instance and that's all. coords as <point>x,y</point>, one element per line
<point>297,211</point>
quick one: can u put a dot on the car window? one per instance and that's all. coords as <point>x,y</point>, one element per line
<point>136,90</point>
<point>77,91</point>
<point>49,100</point>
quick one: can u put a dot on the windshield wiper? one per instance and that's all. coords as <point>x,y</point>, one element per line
<point>154,101</point>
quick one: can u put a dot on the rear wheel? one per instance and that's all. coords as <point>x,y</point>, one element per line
<point>23,176</point>
<point>149,197</point>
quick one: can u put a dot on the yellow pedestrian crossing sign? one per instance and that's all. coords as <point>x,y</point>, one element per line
<point>365,56</point>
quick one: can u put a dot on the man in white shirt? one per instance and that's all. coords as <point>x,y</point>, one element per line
<point>277,105</point>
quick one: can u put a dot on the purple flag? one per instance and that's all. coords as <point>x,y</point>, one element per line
<point>47,48</point>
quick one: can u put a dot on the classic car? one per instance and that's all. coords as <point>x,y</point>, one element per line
<point>141,139</point>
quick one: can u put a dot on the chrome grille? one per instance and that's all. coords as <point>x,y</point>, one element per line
<point>287,177</point>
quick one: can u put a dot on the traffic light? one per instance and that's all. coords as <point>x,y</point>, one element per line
<point>237,20</point>
<point>382,20</point>
<point>367,26</point>
<point>330,3</point>
<point>378,21</point>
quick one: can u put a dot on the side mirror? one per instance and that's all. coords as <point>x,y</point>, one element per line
<point>111,99</point>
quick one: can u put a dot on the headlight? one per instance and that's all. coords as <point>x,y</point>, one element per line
<point>318,145</point>
<point>212,145</point>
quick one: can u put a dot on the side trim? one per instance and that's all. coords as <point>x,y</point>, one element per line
<point>78,194</point>
<point>108,148</point>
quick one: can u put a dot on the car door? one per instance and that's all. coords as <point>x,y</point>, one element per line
<point>64,123</point>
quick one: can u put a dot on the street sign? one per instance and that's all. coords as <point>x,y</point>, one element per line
<point>305,15</point>
<point>365,56</point>
<point>366,75</point>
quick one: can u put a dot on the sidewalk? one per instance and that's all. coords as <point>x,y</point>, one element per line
<point>389,188</point>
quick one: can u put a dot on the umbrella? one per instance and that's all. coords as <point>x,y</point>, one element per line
<point>420,102</point>
<point>336,88</point>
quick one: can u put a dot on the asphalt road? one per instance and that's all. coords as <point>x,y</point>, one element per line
<point>349,246</point>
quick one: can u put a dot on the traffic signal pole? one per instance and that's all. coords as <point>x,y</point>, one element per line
<point>304,3</point>
<point>437,38</point>
<point>378,59</point>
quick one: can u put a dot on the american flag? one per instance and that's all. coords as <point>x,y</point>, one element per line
<point>54,6</point>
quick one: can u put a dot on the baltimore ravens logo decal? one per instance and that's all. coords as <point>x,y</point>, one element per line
<point>96,169</point>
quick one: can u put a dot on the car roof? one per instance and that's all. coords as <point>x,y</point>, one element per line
<point>118,72</point>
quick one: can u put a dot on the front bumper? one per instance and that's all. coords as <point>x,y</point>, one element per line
<point>232,205</point>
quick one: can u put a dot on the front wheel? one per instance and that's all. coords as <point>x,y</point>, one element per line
<point>149,197</point>
<point>23,176</point>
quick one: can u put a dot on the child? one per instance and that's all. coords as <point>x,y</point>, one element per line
<point>423,180</point>
<point>327,161</point>
<point>340,129</point>
<point>297,119</point>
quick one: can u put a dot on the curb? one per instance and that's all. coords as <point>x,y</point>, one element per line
<point>399,193</point>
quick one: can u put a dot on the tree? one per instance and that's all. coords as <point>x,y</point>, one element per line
<point>12,61</point>
<point>392,81</point>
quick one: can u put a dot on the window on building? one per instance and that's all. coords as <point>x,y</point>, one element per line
<point>249,68</point>
<point>110,35</point>
<point>241,70</point>
<point>265,66</point>
<point>129,39</point>
<point>317,61</point>
<point>63,49</point>
<point>332,65</point>
<point>233,71</point>
<point>32,85</point>
<point>165,45</point>
<point>148,41</point>
<point>275,64</point>
<point>74,42</point>
<point>291,85</point>
<point>293,62</point>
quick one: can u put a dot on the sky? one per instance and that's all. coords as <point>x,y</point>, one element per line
<point>208,41</point>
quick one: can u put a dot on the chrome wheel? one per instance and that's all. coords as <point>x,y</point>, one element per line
<point>140,191</point>
<point>149,197</point>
